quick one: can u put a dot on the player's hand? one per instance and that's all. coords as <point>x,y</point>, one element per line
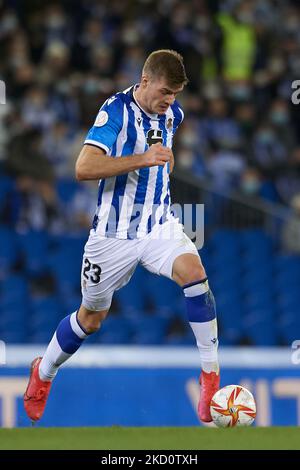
<point>157,154</point>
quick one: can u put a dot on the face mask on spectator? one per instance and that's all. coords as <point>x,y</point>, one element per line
<point>245,17</point>
<point>279,117</point>
<point>240,92</point>
<point>250,186</point>
<point>91,86</point>
<point>188,139</point>
<point>266,136</point>
<point>185,158</point>
<point>55,21</point>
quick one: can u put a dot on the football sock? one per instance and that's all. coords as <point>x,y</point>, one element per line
<point>64,343</point>
<point>201,311</point>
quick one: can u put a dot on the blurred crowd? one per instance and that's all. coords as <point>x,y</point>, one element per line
<point>61,60</point>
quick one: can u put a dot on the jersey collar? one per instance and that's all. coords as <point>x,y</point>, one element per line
<point>132,90</point>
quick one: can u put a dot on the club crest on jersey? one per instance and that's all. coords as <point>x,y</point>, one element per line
<point>169,124</point>
<point>101,119</point>
<point>154,136</point>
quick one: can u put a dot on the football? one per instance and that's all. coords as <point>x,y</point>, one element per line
<point>233,405</point>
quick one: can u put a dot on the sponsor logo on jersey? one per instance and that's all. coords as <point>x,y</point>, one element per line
<point>154,136</point>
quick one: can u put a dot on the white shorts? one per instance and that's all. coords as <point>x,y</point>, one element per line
<point>109,263</point>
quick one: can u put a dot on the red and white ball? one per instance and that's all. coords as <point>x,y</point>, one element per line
<point>233,405</point>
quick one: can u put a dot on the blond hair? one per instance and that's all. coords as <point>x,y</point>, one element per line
<point>168,64</point>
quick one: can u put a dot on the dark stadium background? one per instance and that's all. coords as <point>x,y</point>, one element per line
<point>237,152</point>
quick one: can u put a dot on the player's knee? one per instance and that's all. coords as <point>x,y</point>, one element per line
<point>91,321</point>
<point>195,273</point>
<point>92,328</point>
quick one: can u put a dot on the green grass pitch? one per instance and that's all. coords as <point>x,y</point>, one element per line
<point>117,437</point>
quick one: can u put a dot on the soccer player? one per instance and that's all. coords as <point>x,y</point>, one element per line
<point>129,150</point>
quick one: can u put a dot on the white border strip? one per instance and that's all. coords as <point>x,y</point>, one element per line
<point>156,357</point>
<point>97,144</point>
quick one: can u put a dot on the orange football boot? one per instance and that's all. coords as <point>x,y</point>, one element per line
<point>209,385</point>
<point>37,392</point>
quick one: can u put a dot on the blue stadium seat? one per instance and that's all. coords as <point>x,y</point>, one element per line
<point>222,239</point>
<point>71,302</point>
<point>229,313</point>
<point>46,313</point>
<point>288,324</point>
<point>9,250</point>
<point>259,298</point>
<point>149,329</point>
<point>66,189</point>
<point>287,263</point>
<point>14,313</point>
<point>225,254</point>
<point>14,287</point>
<point>260,326</point>
<point>114,330</point>
<point>187,339</point>
<point>205,254</point>
<point>131,298</point>
<point>225,284</point>
<point>257,281</point>
<point>14,317</point>
<point>6,186</point>
<point>286,279</point>
<point>256,239</point>
<point>162,293</point>
<point>13,336</point>
<point>287,272</point>
<point>65,263</point>
<point>287,298</point>
<point>222,265</point>
<point>256,261</point>
<point>14,305</point>
<point>41,336</point>
<point>34,248</point>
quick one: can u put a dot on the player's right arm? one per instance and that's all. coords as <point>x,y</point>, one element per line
<point>95,160</point>
<point>94,164</point>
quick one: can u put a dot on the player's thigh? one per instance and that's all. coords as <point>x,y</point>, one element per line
<point>108,264</point>
<point>165,247</point>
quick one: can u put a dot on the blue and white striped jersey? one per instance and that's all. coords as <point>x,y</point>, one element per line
<point>130,205</point>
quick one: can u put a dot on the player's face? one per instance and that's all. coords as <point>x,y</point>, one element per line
<point>159,95</point>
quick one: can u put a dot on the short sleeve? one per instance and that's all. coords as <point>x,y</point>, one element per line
<point>181,114</point>
<point>178,115</point>
<point>107,125</point>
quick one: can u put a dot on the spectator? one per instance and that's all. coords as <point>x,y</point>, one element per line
<point>291,230</point>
